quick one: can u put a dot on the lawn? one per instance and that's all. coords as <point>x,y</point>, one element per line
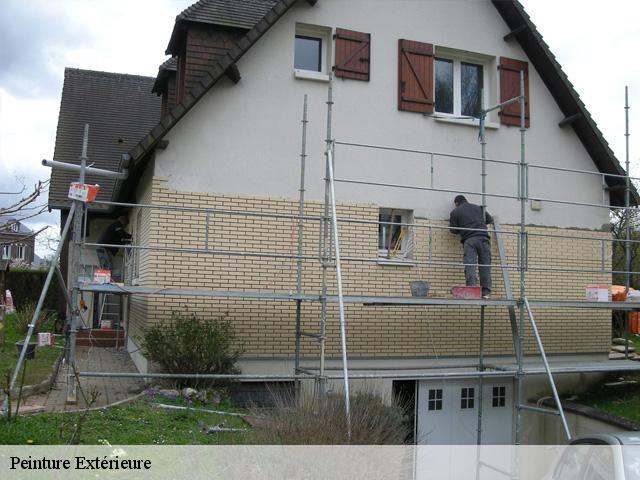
<point>135,423</point>
<point>39,368</point>
<point>621,401</point>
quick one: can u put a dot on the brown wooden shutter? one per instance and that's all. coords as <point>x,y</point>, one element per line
<point>415,76</point>
<point>353,54</point>
<point>510,87</point>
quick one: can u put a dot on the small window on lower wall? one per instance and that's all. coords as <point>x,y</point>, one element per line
<point>498,397</point>
<point>395,237</point>
<point>312,52</point>
<point>435,399</point>
<point>467,398</point>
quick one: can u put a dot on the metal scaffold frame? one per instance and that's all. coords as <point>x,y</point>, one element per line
<point>329,256</point>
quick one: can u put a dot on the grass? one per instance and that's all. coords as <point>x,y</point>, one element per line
<point>39,368</point>
<point>623,401</point>
<point>136,423</point>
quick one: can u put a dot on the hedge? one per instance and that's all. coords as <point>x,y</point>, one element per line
<point>26,285</point>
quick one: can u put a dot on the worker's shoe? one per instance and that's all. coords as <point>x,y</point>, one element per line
<point>486,293</point>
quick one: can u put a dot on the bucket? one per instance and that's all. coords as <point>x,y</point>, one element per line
<point>597,293</point>
<point>419,289</point>
<point>31,349</point>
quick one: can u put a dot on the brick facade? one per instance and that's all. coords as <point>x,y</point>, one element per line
<point>266,329</point>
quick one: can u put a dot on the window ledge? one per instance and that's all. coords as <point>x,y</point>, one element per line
<point>310,75</point>
<point>465,121</point>
<point>396,262</point>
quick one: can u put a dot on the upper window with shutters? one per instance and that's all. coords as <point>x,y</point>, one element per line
<point>462,83</point>
<point>454,85</point>
<point>313,53</point>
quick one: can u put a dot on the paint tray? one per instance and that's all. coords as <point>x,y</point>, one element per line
<point>467,292</point>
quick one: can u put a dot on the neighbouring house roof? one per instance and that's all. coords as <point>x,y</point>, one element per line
<point>243,14</point>
<point>22,228</point>
<point>513,14</point>
<point>120,109</point>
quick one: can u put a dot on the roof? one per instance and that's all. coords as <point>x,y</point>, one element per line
<point>513,14</point>
<point>244,14</point>
<point>120,109</point>
<point>165,70</point>
<point>526,33</point>
<point>22,228</point>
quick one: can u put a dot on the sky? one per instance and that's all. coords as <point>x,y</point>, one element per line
<point>594,41</point>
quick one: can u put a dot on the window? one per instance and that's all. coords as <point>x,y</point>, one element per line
<point>498,397</point>
<point>458,87</point>
<point>20,250</point>
<point>312,52</point>
<point>467,397</point>
<point>394,238</point>
<point>308,54</point>
<point>6,252</point>
<point>15,227</point>
<point>435,399</point>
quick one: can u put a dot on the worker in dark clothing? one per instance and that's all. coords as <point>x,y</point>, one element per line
<point>475,241</point>
<point>115,234</point>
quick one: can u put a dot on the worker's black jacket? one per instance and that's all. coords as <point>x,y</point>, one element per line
<point>115,234</point>
<point>468,215</point>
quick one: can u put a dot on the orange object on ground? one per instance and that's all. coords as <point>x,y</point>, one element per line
<point>634,322</point>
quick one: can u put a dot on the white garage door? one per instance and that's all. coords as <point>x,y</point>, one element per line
<point>448,412</point>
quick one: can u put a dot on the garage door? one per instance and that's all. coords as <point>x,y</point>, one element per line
<point>447,412</point>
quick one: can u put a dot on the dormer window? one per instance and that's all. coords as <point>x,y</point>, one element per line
<point>15,227</point>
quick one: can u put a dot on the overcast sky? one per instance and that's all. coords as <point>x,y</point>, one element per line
<point>595,42</point>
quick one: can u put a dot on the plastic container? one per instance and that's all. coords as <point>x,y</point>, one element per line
<point>31,349</point>
<point>419,289</point>
<point>467,292</point>
<point>597,293</point>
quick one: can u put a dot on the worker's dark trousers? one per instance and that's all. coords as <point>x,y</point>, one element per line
<point>477,250</point>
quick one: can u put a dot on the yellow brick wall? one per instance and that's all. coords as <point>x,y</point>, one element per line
<point>267,328</point>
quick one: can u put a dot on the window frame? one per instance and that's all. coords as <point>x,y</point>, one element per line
<point>21,252</point>
<point>404,253</point>
<point>325,35</point>
<point>435,398</point>
<point>15,227</point>
<point>498,396</point>
<point>489,82</point>
<point>467,398</point>
<point>7,249</point>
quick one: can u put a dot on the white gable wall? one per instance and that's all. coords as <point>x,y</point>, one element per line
<point>245,139</point>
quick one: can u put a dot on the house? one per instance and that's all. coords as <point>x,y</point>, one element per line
<point>17,242</point>
<point>410,80</point>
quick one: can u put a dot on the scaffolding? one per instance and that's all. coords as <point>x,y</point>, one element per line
<point>329,256</point>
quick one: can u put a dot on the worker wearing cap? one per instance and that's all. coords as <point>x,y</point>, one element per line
<point>475,241</point>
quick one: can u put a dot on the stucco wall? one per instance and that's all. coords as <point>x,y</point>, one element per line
<point>245,139</point>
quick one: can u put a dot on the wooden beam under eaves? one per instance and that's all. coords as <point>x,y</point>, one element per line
<point>514,32</point>
<point>162,144</point>
<point>312,2</point>
<point>569,120</point>
<point>233,73</point>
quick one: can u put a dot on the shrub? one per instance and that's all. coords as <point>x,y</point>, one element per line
<point>313,421</point>
<point>25,314</point>
<point>26,285</point>
<point>188,344</point>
